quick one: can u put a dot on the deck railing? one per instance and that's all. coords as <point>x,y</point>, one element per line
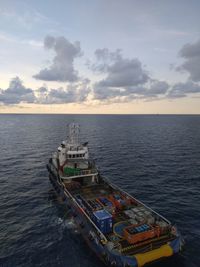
<point>76,172</point>
<point>126,193</point>
<point>68,194</point>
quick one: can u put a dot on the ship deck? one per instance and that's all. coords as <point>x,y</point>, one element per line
<point>120,218</point>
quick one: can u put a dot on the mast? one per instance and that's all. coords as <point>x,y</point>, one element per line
<point>74,131</point>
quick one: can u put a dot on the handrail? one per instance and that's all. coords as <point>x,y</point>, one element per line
<point>115,186</point>
<point>66,192</point>
<point>81,172</point>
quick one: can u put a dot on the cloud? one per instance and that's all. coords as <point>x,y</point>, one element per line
<point>153,89</point>
<point>120,71</point>
<point>16,93</point>
<point>183,89</point>
<point>62,66</point>
<point>71,94</point>
<point>121,79</point>
<point>125,72</point>
<point>157,88</point>
<point>125,78</point>
<point>42,90</point>
<point>104,58</point>
<point>191,54</point>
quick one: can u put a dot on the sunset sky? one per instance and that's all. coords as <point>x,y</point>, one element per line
<point>105,56</point>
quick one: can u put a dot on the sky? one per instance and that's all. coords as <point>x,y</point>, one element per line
<point>100,56</point>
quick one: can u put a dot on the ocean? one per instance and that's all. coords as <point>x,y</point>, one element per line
<point>154,157</point>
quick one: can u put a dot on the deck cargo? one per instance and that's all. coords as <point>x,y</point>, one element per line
<point>103,220</point>
<point>141,232</point>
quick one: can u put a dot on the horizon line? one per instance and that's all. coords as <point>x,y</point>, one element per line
<point>117,114</point>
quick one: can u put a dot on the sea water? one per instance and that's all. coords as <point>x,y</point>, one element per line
<point>155,158</point>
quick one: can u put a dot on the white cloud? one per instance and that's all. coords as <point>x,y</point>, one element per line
<point>17,93</point>
<point>75,93</point>
<point>62,67</point>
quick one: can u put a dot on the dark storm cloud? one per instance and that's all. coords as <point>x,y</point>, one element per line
<point>62,67</point>
<point>191,54</point>
<point>16,93</point>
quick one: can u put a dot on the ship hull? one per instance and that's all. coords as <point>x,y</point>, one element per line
<point>109,257</point>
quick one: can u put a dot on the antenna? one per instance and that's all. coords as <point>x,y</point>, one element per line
<point>74,131</point>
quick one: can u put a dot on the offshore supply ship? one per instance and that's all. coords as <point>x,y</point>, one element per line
<point>120,229</point>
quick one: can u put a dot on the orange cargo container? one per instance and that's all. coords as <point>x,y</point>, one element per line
<point>128,200</point>
<point>133,237</point>
<point>116,202</point>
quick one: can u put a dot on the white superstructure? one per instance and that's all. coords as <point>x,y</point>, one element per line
<point>72,158</point>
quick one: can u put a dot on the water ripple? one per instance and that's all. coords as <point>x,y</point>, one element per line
<point>156,158</point>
